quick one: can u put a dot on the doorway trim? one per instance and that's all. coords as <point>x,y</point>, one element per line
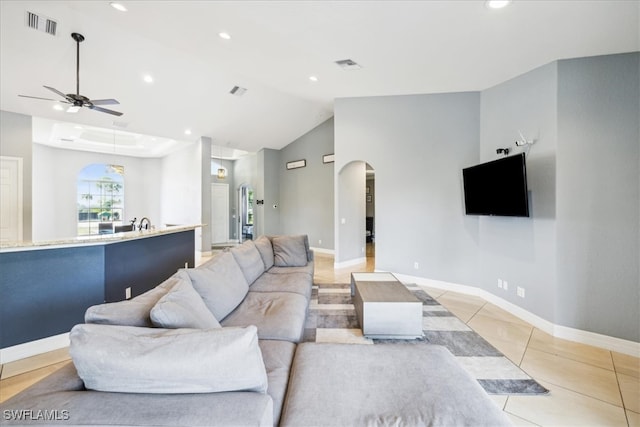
<point>15,166</point>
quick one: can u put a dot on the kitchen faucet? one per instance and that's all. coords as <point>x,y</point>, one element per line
<point>146,226</point>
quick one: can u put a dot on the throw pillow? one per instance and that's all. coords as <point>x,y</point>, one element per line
<point>147,360</point>
<point>289,251</point>
<point>133,312</point>
<point>182,307</point>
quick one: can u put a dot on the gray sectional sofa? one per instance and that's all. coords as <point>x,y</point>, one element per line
<point>218,345</point>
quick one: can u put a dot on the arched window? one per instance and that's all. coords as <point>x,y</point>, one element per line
<point>100,198</point>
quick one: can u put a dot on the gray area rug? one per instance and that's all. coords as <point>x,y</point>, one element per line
<point>332,318</point>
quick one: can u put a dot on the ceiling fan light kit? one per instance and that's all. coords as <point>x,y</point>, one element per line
<point>75,99</point>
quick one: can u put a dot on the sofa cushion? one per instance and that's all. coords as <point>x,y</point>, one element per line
<point>384,385</point>
<point>278,315</point>
<point>220,283</point>
<point>296,282</point>
<point>278,357</point>
<point>133,312</point>
<point>249,260</point>
<point>182,307</point>
<point>289,251</point>
<point>63,390</point>
<point>148,360</point>
<point>307,269</point>
<point>264,246</point>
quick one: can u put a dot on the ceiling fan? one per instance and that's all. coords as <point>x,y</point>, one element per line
<point>75,99</point>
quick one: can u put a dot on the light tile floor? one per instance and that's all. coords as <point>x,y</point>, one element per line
<point>589,386</point>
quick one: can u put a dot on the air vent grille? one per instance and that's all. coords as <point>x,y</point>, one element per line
<point>348,64</point>
<point>237,91</point>
<point>41,23</point>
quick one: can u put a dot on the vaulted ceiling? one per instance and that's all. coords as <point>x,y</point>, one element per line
<point>403,47</point>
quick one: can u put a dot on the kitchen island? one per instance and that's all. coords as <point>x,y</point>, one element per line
<point>45,287</point>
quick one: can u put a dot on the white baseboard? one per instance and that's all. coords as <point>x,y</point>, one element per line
<point>631,348</point>
<point>21,351</point>
<point>349,263</point>
<point>32,348</point>
<point>323,251</point>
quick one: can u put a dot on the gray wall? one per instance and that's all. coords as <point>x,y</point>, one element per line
<point>418,145</point>
<point>577,256</point>
<point>15,141</point>
<point>267,216</point>
<point>306,194</point>
<point>598,195</point>
<point>521,251</point>
<point>350,212</point>
<point>204,148</point>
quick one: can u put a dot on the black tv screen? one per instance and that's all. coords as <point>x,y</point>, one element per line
<point>497,188</point>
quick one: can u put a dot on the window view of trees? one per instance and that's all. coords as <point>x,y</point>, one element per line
<point>100,198</point>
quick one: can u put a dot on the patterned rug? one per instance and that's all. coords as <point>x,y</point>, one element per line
<point>332,318</point>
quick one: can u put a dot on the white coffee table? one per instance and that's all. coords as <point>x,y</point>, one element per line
<point>385,307</point>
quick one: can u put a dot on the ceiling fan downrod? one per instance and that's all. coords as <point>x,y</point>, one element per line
<point>78,38</point>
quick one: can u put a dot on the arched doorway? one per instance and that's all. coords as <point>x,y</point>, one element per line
<point>355,203</point>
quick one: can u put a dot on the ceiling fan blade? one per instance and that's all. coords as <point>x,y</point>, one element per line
<point>56,91</point>
<point>37,97</point>
<point>104,102</point>
<point>104,110</point>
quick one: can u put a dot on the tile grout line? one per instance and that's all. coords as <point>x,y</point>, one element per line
<point>624,406</point>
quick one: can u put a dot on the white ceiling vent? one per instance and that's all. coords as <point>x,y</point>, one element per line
<point>237,91</point>
<point>348,64</point>
<point>41,23</point>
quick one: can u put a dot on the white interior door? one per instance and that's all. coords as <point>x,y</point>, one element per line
<point>10,199</point>
<point>219,213</point>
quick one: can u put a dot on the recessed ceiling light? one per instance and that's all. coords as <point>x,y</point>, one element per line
<point>313,78</point>
<point>118,6</point>
<point>147,78</point>
<point>58,107</point>
<point>497,4</point>
<point>187,132</point>
<point>225,36</point>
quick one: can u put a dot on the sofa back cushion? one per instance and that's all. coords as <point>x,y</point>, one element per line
<point>220,283</point>
<point>182,307</point>
<point>264,246</point>
<point>148,360</point>
<point>290,251</point>
<point>249,260</point>
<point>133,312</point>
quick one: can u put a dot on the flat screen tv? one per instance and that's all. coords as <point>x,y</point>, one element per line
<point>497,188</point>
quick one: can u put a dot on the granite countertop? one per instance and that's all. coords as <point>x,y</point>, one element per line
<point>94,239</point>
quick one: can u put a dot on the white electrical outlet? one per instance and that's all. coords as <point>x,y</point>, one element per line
<point>416,265</point>
<point>505,285</point>
<point>186,264</point>
<point>127,293</point>
<point>500,283</point>
<point>520,292</point>
<point>320,241</point>
<point>343,220</point>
